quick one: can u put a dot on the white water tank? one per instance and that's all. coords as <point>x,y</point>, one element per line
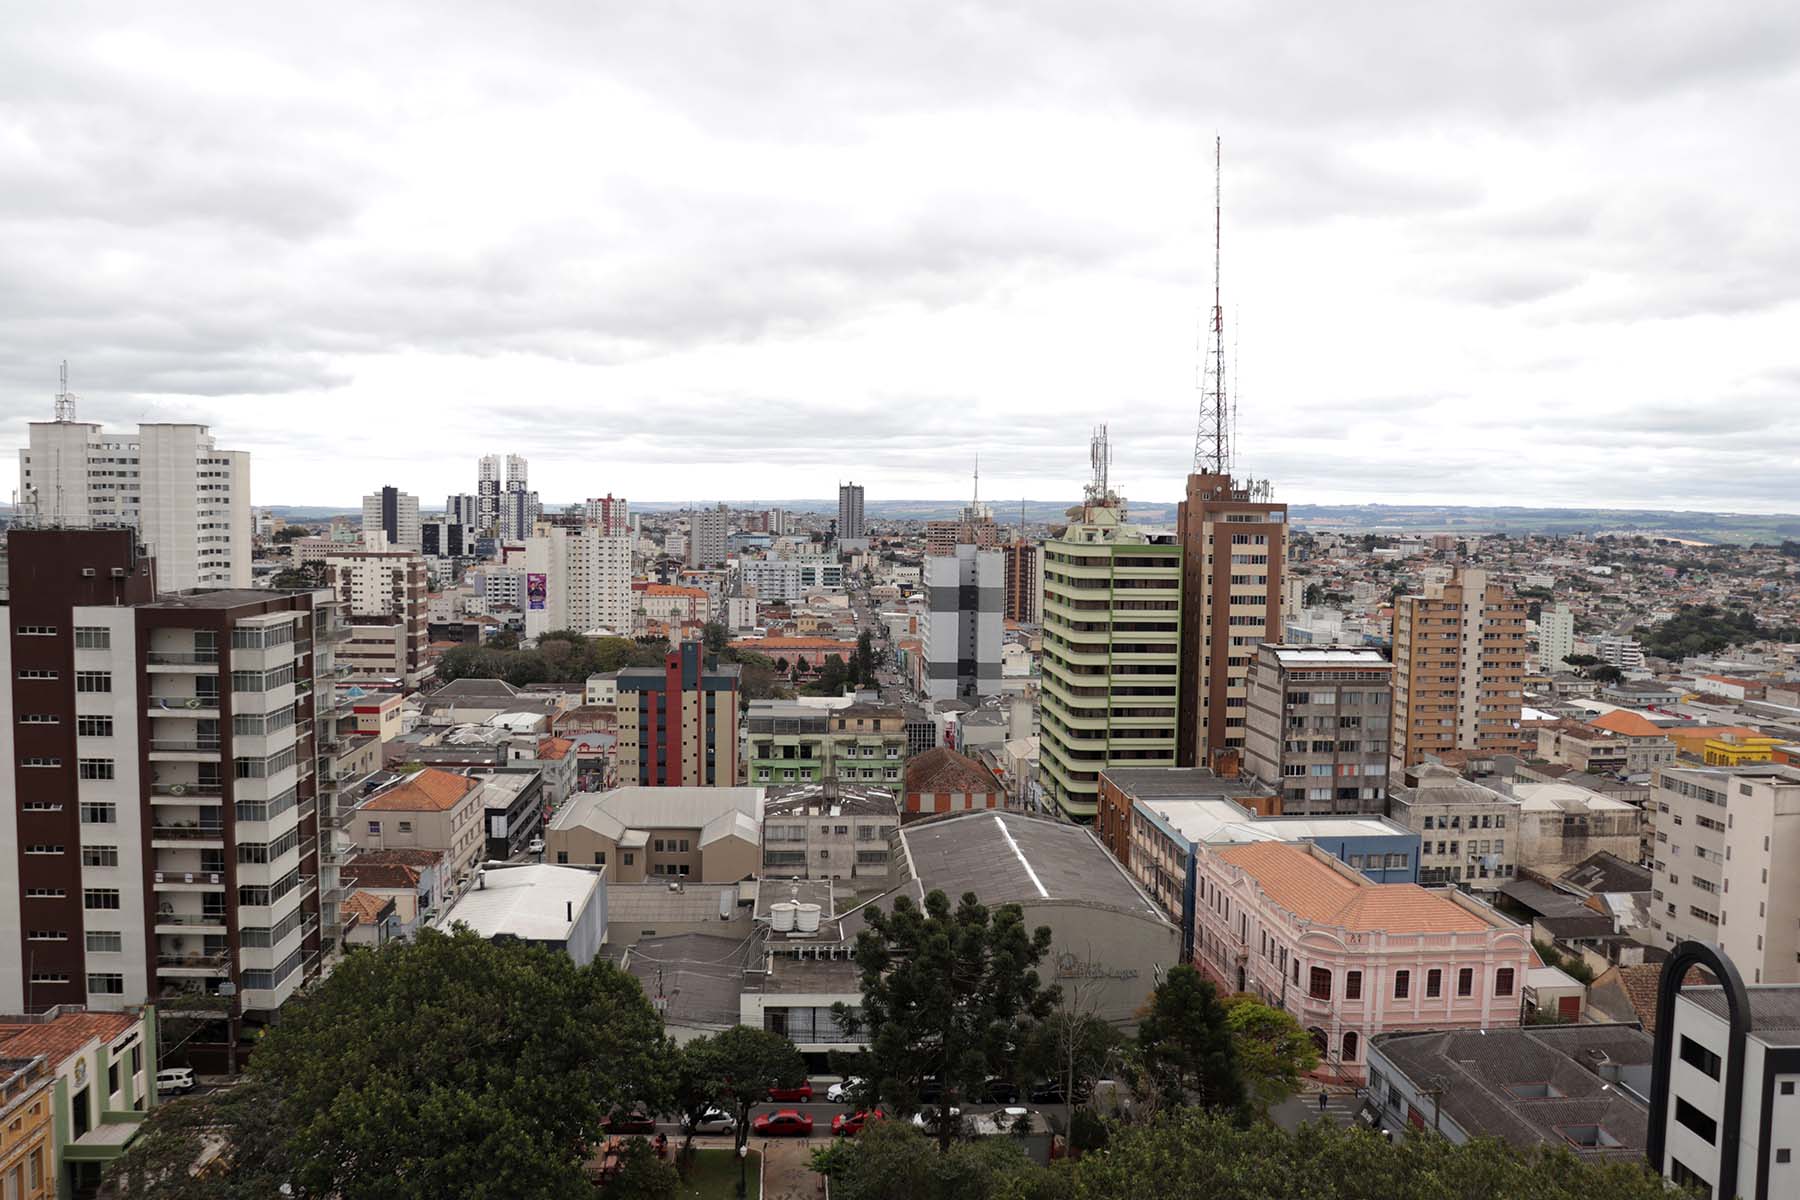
<point>781,915</point>
<point>806,918</point>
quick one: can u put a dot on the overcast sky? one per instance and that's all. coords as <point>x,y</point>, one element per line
<point>1530,253</point>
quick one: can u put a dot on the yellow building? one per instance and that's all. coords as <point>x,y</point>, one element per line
<point>25,1129</point>
<point>1735,751</point>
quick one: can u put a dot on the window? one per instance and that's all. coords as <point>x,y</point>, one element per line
<point>599,858</point>
<point>1350,1047</point>
<point>93,681</point>
<point>100,941</point>
<point>93,637</point>
<point>37,631</point>
<point>38,760</point>
<point>629,857</point>
<point>374,828</point>
<point>107,984</point>
<point>100,898</point>
<point>1402,982</point>
<point>1319,983</point>
<point>98,814</point>
<point>1353,985</point>
<point>39,719</point>
<point>1699,1057</point>
<point>406,827</point>
<point>1503,981</point>
<point>36,673</point>
<point>99,856</point>
<point>1434,984</point>
<point>1465,982</point>
<point>96,768</point>
<point>94,726</point>
<point>1696,1121</point>
<point>562,857</point>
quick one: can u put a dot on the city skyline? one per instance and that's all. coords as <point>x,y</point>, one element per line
<point>1558,275</point>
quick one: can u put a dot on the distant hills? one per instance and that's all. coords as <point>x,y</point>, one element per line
<point>1732,528</point>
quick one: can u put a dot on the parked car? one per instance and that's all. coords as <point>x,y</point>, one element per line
<point>927,1117</point>
<point>635,1121</point>
<point>785,1123</point>
<point>1000,1091</point>
<point>851,1124</point>
<point>713,1120</point>
<point>1050,1091</point>
<point>931,1090</point>
<point>175,1079</point>
<point>535,846</point>
<point>793,1095</point>
<point>843,1093</point>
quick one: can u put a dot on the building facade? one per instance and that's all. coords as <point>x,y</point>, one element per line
<point>390,520</point>
<point>1470,835</point>
<point>160,791</point>
<point>678,724</point>
<point>1556,637</point>
<point>787,742</point>
<point>1351,959</point>
<point>829,831</point>
<point>578,578</point>
<point>383,594</point>
<point>850,512</point>
<point>1459,669</point>
<point>188,499</point>
<point>1022,569</point>
<point>1725,844</point>
<point>1318,727</point>
<point>964,592</point>
<point>1112,655</point>
<point>1233,550</point>
<point>610,514</point>
<point>519,507</point>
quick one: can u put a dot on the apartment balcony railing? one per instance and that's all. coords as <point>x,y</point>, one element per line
<point>203,919</point>
<point>193,833</point>
<point>183,658</point>
<point>214,961</point>
<point>186,789</point>
<point>180,744</point>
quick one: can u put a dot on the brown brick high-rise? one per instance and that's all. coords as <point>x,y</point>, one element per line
<point>1459,669</point>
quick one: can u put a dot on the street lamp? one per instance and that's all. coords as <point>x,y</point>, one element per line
<point>743,1166</point>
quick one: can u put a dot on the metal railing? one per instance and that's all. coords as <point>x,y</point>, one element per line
<point>183,658</point>
<point>187,789</point>
<point>173,918</point>
<point>188,832</point>
<point>178,744</point>
<point>193,960</point>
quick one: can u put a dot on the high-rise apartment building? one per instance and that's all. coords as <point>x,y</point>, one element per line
<point>708,529</point>
<point>850,513</point>
<point>964,594</point>
<point>678,723</point>
<point>487,494</point>
<point>519,507</point>
<point>1556,637</point>
<point>158,792</point>
<point>394,515</point>
<point>1459,669</point>
<point>384,599</point>
<point>444,538</point>
<point>1725,844</point>
<point>1023,561</point>
<point>1234,547</point>
<point>578,578</point>
<point>188,499</point>
<point>1625,653</point>
<point>463,508</point>
<point>609,515</point>
<point>1318,727</point>
<point>1112,653</point>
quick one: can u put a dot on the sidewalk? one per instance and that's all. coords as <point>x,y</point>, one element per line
<point>1341,1106</point>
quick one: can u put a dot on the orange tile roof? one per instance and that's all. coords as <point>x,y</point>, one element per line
<point>1626,722</point>
<point>769,644</point>
<point>674,589</point>
<point>554,748</point>
<point>1297,881</point>
<point>364,908</point>
<point>58,1039</point>
<point>431,790</point>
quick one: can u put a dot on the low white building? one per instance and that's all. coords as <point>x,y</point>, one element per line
<point>563,908</point>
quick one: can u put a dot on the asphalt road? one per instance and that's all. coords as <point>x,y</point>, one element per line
<point>819,1110</point>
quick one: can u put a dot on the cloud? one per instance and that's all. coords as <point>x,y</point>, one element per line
<point>1532,252</point>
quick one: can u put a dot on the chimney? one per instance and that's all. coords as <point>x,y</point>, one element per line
<point>569,911</point>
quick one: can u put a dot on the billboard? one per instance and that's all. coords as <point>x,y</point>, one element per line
<point>536,587</point>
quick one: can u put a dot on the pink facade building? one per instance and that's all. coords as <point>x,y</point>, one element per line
<point>1350,958</point>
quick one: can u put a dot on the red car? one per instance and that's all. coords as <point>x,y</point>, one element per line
<point>786,1123</point>
<point>793,1095</point>
<point>638,1122</point>
<point>851,1124</point>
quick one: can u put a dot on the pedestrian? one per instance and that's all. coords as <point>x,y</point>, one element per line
<point>1322,1101</point>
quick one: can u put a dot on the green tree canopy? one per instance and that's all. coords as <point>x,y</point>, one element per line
<point>447,1067</point>
<point>1186,1044</point>
<point>734,1071</point>
<point>1271,1049</point>
<point>947,993</point>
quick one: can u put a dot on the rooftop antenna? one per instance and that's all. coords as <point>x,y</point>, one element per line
<point>1212,438</point>
<point>977,500</point>
<point>1100,456</point>
<point>65,399</point>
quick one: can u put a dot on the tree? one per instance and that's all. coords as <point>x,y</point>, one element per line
<point>290,533</point>
<point>889,1160</point>
<point>1313,596</point>
<point>1072,1045</point>
<point>244,1125</point>
<point>1605,673</point>
<point>865,656</point>
<point>453,1066</point>
<point>1187,1046</point>
<point>716,637</point>
<point>641,1175</point>
<point>742,1064</point>
<point>1272,1051</point>
<point>945,993</point>
<point>298,579</point>
<point>1199,1155</point>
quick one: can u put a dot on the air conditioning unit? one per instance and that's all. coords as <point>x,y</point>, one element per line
<point>88,572</point>
<point>118,572</point>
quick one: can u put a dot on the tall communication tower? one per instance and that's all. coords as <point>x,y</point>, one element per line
<point>1100,456</point>
<point>1212,439</point>
<point>65,399</point>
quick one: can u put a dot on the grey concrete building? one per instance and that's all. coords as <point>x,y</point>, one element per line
<point>830,831</point>
<point>965,594</point>
<point>1317,727</point>
<point>1468,832</point>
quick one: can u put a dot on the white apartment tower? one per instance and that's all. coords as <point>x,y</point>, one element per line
<point>188,500</point>
<point>609,513</point>
<point>390,520</point>
<point>519,508</point>
<point>487,494</point>
<point>585,580</point>
<point>1556,636</point>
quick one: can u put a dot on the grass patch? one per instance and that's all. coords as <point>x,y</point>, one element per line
<point>714,1176</point>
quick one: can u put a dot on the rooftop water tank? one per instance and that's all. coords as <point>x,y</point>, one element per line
<point>806,918</point>
<point>781,916</point>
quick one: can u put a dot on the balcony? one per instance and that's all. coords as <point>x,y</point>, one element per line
<point>188,834</point>
<point>193,966</point>
<point>198,706</point>
<point>188,881</point>
<point>190,661</point>
<point>174,922</point>
<point>186,793</point>
<point>183,1003</point>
